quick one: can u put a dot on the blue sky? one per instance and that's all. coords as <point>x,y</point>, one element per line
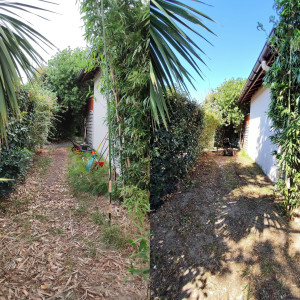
<point>238,42</point>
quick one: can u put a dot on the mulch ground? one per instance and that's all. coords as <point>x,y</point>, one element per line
<point>223,236</point>
<point>51,249</point>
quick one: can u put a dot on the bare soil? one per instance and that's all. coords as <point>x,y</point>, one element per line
<point>51,249</point>
<point>222,236</point>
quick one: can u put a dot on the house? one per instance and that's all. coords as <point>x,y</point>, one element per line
<point>257,125</point>
<point>96,127</point>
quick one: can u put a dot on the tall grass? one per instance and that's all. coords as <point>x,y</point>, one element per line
<point>94,182</point>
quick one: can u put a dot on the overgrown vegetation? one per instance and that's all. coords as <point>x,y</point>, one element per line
<point>174,150</point>
<point>26,133</point>
<point>222,103</point>
<point>210,126</point>
<point>284,81</point>
<point>60,77</point>
<point>123,57</point>
<point>93,182</point>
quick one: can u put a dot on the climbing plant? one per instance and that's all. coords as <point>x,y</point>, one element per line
<point>284,81</point>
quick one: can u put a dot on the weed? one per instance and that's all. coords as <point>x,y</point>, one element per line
<point>81,211</point>
<point>266,267</point>
<point>41,218</point>
<point>246,272</point>
<point>98,218</point>
<point>113,236</point>
<point>93,182</point>
<point>189,184</point>
<point>92,252</point>
<point>248,290</point>
<point>69,264</point>
<point>183,220</point>
<point>55,231</point>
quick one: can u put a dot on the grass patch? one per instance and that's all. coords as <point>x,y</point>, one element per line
<point>114,236</point>
<point>81,211</point>
<point>41,218</point>
<point>98,218</point>
<point>94,182</point>
<point>55,231</point>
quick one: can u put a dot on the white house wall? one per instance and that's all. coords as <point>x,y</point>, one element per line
<point>259,146</point>
<point>100,128</point>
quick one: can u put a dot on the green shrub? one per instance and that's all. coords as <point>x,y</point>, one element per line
<point>211,124</point>
<point>25,134</point>
<point>13,164</point>
<point>174,150</point>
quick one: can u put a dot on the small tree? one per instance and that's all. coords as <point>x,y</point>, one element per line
<point>61,78</point>
<point>284,81</point>
<point>222,102</point>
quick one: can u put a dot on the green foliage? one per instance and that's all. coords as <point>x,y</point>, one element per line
<point>98,218</point>
<point>61,78</point>
<point>113,236</point>
<point>13,165</point>
<point>174,151</point>
<point>223,103</point>
<point>284,81</point>
<point>170,46</point>
<point>136,201</point>
<point>125,83</point>
<point>25,134</point>
<point>210,125</point>
<point>93,182</point>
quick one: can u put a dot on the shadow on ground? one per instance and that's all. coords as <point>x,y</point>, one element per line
<point>224,237</point>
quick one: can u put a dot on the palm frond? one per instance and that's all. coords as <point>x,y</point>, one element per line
<point>170,47</point>
<point>18,49</point>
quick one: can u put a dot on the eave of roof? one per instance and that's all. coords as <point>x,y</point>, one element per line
<point>255,79</point>
<point>84,76</point>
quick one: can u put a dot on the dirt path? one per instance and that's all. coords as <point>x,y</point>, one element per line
<point>222,237</point>
<point>49,246</point>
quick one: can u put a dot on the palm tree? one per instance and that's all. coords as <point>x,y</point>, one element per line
<point>170,46</point>
<point>18,43</point>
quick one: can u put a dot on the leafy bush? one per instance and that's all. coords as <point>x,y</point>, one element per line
<point>25,134</point>
<point>13,165</point>
<point>174,150</point>
<point>60,77</point>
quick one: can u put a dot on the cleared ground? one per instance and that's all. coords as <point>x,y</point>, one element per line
<point>222,236</point>
<point>55,246</point>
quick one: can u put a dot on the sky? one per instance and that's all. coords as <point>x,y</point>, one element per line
<point>235,48</point>
<point>64,27</point>
<point>238,42</point>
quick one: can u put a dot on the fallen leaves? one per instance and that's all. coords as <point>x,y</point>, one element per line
<point>44,248</point>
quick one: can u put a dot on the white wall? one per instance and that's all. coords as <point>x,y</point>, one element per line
<point>259,146</point>
<point>100,127</point>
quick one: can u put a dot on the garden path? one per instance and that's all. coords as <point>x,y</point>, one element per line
<point>222,236</point>
<point>49,246</point>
